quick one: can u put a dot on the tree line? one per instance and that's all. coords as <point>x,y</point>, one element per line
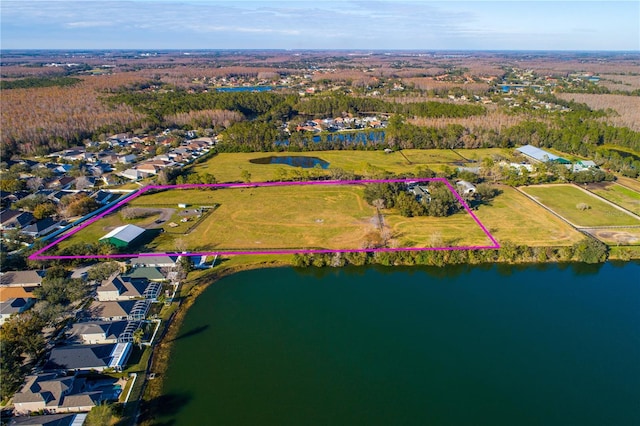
<point>33,82</point>
<point>588,250</point>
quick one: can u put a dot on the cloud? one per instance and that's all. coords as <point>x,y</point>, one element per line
<point>311,24</point>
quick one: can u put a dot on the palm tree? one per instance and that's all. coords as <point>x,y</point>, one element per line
<point>137,337</point>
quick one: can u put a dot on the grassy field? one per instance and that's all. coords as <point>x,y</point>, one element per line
<point>563,199</point>
<point>629,183</point>
<point>453,231</point>
<point>513,217</point>
<point>228,167</point>
<point>285,217</point>
<point>619,195</point>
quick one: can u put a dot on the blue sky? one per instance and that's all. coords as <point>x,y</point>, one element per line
<point>303,24</point>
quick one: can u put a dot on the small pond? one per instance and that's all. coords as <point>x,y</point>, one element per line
<point>304,162</point>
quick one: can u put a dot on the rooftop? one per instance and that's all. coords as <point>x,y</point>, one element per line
<point>126,233</point>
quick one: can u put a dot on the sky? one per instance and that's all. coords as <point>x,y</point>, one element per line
<point>319,24</point>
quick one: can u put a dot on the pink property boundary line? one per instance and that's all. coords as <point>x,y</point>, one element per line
<point>37,255</point>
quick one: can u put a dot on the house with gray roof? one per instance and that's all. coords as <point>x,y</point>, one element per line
<point>160,261</point>
<point>21,278</point>
<point>132,310</point>
<point>118,287</point>
<point>41,227</point>
<point>95,332</point>
<point>14,219</point>
<point>14,306</point>
<point>89,357</point>
<point>72,419</point>
<point>53,394</point>
<point>150,273</point>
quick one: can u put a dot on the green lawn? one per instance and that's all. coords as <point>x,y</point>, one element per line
<point>563,199</point>
<point>228,167</point>
<point>513,217</point>
<point>620,195</point>
<point>287,217</point>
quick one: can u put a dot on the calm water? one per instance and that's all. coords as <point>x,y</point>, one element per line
<point>245,89</point>
<point>295,161</point>
<point>362,137</point>
<point>546,345</point>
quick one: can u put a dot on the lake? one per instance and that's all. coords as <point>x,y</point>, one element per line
<point>294,161</point>
<point>245,89</point>
<point>363,137</point>
<point>482,345</point>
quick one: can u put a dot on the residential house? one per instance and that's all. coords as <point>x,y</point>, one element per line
<point>41,227</point>
<point>14,219</point>
<point>134,174</point>
<point>421,193</point>
<point>62,182</point>
<point>89,357</point>
<point>110,179</point>
<point>132,310</point>
<point>57,196</point>
<point>71,419</point>
<point>105,197</point>
<point>118,287</point>
<point>53,394</point>
<point>14,306</point>
<point>96,332</point>
<point>21,278</point>
<point>160,261</point>
<point>147,273</point>
<point>8,293</point>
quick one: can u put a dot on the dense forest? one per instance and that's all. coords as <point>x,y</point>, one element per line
<point>31,82</point>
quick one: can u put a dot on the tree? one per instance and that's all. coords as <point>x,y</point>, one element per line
<point>35,183</point>
<point>61,290</point>
<point>81,205</point>
<point>443,202</point>
<point>138,335</point>
<point>11,185</point>
<point>44,210</point>
<point>102,415</point>
<point>102,271</point>
<point>82,182</point>
<point>590,250</point>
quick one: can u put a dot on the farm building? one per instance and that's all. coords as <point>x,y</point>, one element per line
<point>123,236</point>
<point>465,188</point>
<point>541,155</point>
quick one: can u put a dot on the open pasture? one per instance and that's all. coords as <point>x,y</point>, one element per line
<point>513,217</point>
<point>618,194</point>
<point>285,217</point>
<point>566,201</point>
<point>228,167</point>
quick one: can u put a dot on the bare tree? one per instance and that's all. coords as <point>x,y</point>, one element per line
<point>35,183</point>
<point>83,183</point>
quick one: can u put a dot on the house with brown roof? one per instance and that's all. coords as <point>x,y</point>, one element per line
<point>7,293</point>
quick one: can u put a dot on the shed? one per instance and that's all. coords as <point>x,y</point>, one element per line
<point>123,236</point>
